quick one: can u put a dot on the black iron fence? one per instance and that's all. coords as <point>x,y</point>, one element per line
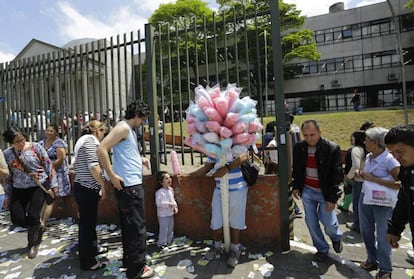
<point>96,79</point>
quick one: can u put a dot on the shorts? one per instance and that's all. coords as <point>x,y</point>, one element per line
<point>237,209</point>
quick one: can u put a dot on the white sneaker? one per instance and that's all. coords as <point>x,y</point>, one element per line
<point>214,253</point>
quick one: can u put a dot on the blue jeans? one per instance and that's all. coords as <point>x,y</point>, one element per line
<point>314,206</point>
<point>356,192</point>
<point>2,197</point>
<point>373,217</point>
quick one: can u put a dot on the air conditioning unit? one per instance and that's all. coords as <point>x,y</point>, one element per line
<point>335,83</point>
<point>392,77</point>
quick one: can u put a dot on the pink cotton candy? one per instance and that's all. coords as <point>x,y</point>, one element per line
<point>238,128</point>
<point>190,119</point>
<point>252,139</point>
<point>213,115</point>
<point>204,103</point>
<point>232,96</point>
<point>222,106</point>
<point>254,127</point>
<point>174,161</point>
<point>191,128</point>
<point>188,141</point>
<point>241,138</point>
<point>213,126</point>
<point>214,92</point>
<point>231,119</point>
<point>225,132</point>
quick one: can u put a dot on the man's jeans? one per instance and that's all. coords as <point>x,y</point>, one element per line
<point>315,212</point>
<point>373,221</point>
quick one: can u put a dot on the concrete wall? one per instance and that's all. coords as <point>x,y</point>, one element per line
<point>193,196</point>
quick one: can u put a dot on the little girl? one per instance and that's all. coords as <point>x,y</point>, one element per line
<point>166,208</point>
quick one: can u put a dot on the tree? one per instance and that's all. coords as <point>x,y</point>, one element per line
<point>410,5</point>
<point>194,37</point>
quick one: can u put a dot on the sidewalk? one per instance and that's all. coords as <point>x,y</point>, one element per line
<point>58,259</point>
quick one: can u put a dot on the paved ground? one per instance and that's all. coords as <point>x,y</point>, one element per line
<point>58,259</point>
<point>57,256</point>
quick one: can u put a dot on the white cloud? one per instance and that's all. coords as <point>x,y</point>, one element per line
<point>151,5</point>
<point>6,56</point>
<point>72,24</point>
<point>368,2</point>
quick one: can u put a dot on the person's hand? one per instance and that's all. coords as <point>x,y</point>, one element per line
<point>6,203</point>
<point>117,182</point>
<point>329,206</point>
<point>220,172</point>
<point>393,240</point>
<point>180,177</point>
<point>146,163</point>
<point>176,210</point>
<point>296,194</point>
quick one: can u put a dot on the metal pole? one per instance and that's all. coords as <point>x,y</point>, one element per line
<point>400,50</point>
<point>281,125</point>
<point>152,98</point>
<point>266,72</point>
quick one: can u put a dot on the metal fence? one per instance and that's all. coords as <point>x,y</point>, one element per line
<point>97,79</point>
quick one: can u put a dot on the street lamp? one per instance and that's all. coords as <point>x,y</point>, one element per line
<point>400,51</point>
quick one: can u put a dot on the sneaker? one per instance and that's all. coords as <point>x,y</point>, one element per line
<point>337,246</point>
<point>383,275</point>
<point>369,266</point>
<point>233,259</point>
<point>320,257</point>
<point>147,273</point>
<point>214,253</point>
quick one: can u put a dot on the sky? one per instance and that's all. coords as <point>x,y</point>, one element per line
<point>58,22</point>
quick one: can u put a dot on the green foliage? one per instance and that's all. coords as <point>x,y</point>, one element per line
<point>410,5</point>
<point>336,126</point>
<point>179,12</point>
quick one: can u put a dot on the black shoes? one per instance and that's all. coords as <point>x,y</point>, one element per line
<point>337,246</point>
<point>320,257</point>
<point>32,253</point>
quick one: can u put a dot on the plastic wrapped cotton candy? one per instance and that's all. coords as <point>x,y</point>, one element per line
<point>231,119</point>
<point>220,123</point>
<point>175,164</point>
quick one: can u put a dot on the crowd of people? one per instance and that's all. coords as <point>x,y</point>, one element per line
<point>379,169</point>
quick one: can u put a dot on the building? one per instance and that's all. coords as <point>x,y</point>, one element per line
<point>359,49</point>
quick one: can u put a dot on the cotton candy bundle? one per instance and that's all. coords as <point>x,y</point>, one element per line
<point>219,122</point>
<point>174,161</point>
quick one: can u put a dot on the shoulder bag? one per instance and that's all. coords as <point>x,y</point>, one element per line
<point>50,194</point>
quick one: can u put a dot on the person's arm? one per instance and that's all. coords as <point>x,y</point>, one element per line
<point>356,156</point>
<point>4,169</point>
<point>61,156</point>
<point>395,185</point>
<point>399,219</point>
<point>117,134</point>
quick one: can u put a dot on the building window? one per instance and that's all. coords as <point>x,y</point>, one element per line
<point>347,32</point>
<point>407,22</point>
<point>322,66</point>
<point>329,35</point>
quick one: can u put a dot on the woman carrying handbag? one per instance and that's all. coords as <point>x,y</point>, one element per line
<point>29,167</point>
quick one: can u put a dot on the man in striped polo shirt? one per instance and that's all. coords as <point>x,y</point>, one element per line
<point>317,174</point>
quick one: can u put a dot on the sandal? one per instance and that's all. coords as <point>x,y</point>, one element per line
<point>96,266</point>
<point>369,266</point>
<point>101,250</point>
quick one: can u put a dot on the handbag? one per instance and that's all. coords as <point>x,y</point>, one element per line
<point>272,168</point>
<point>250,173</point>
<point>50,194</point>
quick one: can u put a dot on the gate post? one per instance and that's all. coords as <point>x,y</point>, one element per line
<point>152,97</point>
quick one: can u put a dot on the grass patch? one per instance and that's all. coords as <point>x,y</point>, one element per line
<point>335,126</point>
